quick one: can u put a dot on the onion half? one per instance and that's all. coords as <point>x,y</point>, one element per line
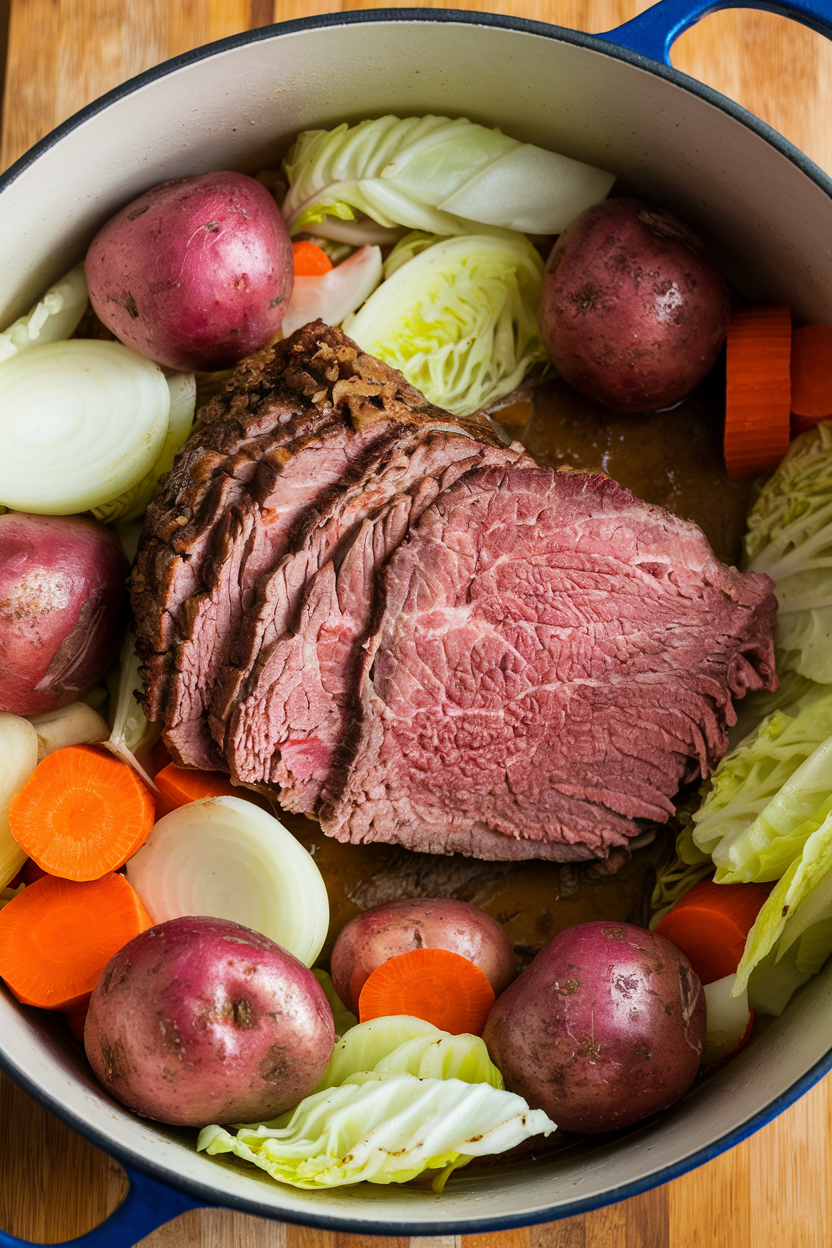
<point>227,858</point>
<point>80,422</point>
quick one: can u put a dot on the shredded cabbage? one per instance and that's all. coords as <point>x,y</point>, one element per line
<point>790,538</point>
<point>400,1044</point>
<point>436,174</point>
<point>458,317</point>
<point>751,788</point>
<point>52,319</point>
<point>382,1129</point>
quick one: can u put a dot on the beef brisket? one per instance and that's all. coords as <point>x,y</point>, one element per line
<point>553,658</point>
<point>378,613</point>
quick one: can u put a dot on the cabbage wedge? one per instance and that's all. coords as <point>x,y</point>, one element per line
<point>790,538</point>
<point>400,1044</point>
<point>53,318</point>
<point>382,1129</point>
<point>456,316</point>
<point>436,174</point>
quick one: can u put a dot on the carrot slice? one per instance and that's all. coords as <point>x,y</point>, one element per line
<point>180,785</point>
<point>441,987</point>
<point>811,376</point>
<point>310,259</point>
<point>57,936</point>
<point>758,391</point>
<point>81,813</point>
<point>710,925</point>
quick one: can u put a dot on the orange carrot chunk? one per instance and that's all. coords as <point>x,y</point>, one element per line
<point>441,987</point>
<point>710,924</point>
<point>81,813</point>
<point>811,376</point>
<point>310,260</point>
<point>180,785</point>
<point>57,936</point>
<point>758,391</point>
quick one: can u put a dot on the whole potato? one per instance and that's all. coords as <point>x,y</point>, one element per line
<point>63,608</point>
<point>200,1021</point>
<point>633,312</point>
<point>195,273</point>
<point>374,937</point>
<point>605,1027</point>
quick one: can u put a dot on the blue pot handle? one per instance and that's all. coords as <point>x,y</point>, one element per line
<point>148,1205</point>
<point>654,31</point>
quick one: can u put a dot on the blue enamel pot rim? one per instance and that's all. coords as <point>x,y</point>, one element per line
<point>202,1194</point>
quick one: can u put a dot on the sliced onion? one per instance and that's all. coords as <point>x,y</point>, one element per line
<point>53,318</point>
<point>227,858</point>
<point>133,502</point>
<point>18,759</point>
<point>76,724</point>
<point>80,422</point>
<point>333,295</point>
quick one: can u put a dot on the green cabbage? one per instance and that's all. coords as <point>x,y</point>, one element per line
<point>458,317</point>
<point>53,318</point>
<point>756,787</point>
<point>344,1019</point>
<point>798,911</point>
<point>382,1129</point>
<point>436,174</point>
<point>400,1044</point>
<point>790,538</point>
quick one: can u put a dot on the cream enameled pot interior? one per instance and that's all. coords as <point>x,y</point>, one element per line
<point>769,224</point>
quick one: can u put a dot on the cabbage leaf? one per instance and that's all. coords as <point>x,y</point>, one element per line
<point>382,1129</point>
<point>400,1044</point>
<point>458,317</point>
<point>52,319</point>
<point>790,538</point>
<point>753,787</point>
<point>436,174</point>
<point>344,1018</point>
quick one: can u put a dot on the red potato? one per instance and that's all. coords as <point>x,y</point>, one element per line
<point>633,312</point>
<point>421,923</point>
<point>201,1021</point>
<point>606,1027</point>
<point>63,609</point>
<point>195,273</point>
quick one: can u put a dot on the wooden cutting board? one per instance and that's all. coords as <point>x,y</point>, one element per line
<point>774,1189</point>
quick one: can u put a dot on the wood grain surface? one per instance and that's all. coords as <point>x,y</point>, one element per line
<point>772,1190</point>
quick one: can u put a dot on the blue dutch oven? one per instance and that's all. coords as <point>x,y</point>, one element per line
<point>613,100</point>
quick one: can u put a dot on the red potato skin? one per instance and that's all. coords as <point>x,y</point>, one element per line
<point>63,609</point>
<point>633,312</point>
<point>195,273</point>
<point>422,923</point>
<point>200,1020</point>
<point>606,1027</point>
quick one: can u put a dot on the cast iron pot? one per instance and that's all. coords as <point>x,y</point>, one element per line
<point>613,100</point>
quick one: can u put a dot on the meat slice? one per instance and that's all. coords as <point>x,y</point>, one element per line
<point>301,685</point>
<point>290,427</point>
<point>551,659</point>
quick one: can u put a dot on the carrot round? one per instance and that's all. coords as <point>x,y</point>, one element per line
<point>710,925</point>
<point>811,376</point>
<point>441,987</point>
<point>310,259</point>
<point>81,813</point>
<point>758,391</point>
<point>180,785</point>
<point>57,936</point>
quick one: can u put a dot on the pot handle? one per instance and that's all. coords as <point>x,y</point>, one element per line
<point>654,31</point>
<point>148,1205</point>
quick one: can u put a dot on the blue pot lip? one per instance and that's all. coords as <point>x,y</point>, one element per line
<point>204,1192</point>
